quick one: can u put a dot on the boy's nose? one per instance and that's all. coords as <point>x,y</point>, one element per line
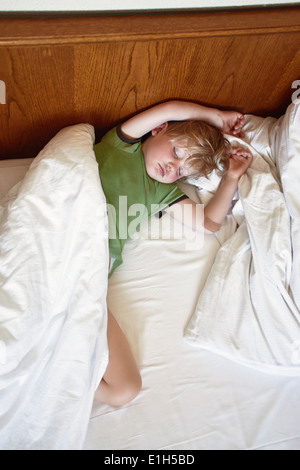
<point>171,167</point>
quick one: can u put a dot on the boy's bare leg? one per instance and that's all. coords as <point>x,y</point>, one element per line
<point>121,381</point>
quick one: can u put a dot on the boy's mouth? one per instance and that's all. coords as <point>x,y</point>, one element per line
<point>161,170</point>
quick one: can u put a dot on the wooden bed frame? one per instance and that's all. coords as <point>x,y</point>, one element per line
<point>59,71</point>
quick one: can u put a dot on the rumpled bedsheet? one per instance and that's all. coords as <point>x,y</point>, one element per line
<point>53,285</point>
<point>249,309</point>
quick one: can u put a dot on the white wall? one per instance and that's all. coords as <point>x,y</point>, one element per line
<point>125,5</point>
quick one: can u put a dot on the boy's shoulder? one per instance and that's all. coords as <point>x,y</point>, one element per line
<point>116,138</point>
<point>124,138</point>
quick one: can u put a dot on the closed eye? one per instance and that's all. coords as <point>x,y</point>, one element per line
<point>180,155</point>
<point>175,152</point>
<point>181,171</point>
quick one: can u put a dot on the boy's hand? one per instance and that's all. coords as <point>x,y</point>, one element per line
<point>232,123</point>
<point>239,161</point>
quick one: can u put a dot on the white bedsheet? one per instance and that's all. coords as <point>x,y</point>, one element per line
<point>191,399</point>
<point>53,285</point>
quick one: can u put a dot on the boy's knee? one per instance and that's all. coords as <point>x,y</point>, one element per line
<point>121,393</point>
<point>127,392</point>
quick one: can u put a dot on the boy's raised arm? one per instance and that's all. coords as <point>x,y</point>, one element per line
<point>142,123</point>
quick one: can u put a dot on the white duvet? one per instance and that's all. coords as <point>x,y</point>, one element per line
<point>248,310</point>
<point>53,285</point>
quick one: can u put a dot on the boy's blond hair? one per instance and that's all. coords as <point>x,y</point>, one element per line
<point>205,145</point>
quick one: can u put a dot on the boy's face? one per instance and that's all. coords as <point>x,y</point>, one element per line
<point>164,160</point>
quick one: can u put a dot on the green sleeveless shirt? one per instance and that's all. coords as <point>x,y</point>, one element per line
<point>131,195</point>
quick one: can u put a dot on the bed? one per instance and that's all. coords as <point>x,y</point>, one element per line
<point>217,373</point>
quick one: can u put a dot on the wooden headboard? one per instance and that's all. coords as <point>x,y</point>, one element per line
<point>59,71</point>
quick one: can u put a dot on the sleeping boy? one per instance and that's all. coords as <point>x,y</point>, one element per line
<point>142,160</point>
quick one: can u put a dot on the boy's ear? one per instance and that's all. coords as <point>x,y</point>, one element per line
<point>162,128</point>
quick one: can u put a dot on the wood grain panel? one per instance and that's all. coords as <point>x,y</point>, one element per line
<point>40,96</point>
<point>33,31</point>
<point>102,70</point>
